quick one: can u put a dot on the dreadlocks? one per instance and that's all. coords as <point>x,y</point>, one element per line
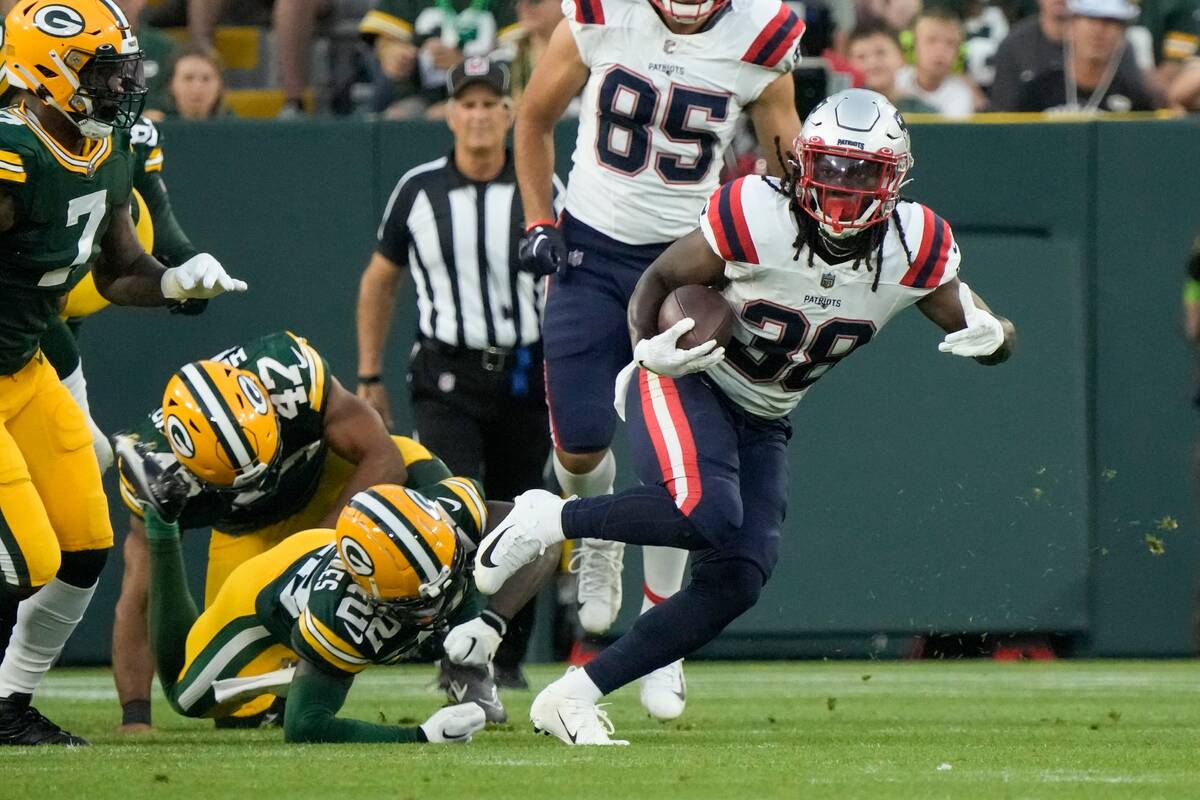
<point>809,232</point>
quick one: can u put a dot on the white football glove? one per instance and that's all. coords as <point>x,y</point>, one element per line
<point>200,277</point>
<point>983,335</point>
<point>454,724</point>
<point>661,354</point>
<point>473,643</point>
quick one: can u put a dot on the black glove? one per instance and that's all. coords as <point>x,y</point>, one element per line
<point>542,251</point>
<point>162,488</point>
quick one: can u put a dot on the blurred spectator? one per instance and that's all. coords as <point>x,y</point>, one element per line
<point>937,38</point>
<point>197,90</point>
<point>292,21</point>
<point>874,52</point>
<point>1191,299</point>
<point>1034,47</point>
<point>417,41</point>
<point>1088,80</point>
<point>536,21</point>
<point>896,14</point>
<point>1168,31</point>
<point>1185,89</point>
<point>158,48</point>
<point>984,28</point>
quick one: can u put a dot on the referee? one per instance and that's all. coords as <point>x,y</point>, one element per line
<point>476,380</point>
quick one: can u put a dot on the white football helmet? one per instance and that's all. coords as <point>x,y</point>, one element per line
<point>854,152</point>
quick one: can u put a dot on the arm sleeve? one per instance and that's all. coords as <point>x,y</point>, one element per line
<point>169,239</point>
<point>314,699</point>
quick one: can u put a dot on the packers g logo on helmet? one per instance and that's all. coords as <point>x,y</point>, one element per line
<point>401,551</point>
<point>220,424</point>
<point>79,56</point>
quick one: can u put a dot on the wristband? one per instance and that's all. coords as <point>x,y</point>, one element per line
<point>370,380</point>
<point>494,621</point>
<point>548,222</point>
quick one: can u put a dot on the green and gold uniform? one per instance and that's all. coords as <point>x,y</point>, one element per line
<point>308,480</point>
<point>294,602</point>
<point>50,491</point>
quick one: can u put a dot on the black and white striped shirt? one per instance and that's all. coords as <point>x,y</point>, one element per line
<point>460,238</point>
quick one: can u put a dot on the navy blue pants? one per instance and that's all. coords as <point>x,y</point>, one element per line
<point>715,482</point>
<point>585,334</point>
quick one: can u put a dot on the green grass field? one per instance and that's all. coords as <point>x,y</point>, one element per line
<point>752,730</point>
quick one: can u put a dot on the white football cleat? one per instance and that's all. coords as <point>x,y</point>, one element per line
<point>573,720</point>
<point>664,692</point>
<point>534,524</point>
<point>598,564</point>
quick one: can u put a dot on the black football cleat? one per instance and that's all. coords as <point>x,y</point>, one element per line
<point>23,725</point>
<point>474,685</point>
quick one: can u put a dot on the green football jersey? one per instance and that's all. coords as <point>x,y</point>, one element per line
<point>297,379</point>
<point>64,207</point>
<point>317,609</point>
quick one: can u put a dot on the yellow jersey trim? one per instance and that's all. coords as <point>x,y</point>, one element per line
<point>318,375</point>
<point>329,645</point>
<point>12,174</point>
<point>380,22</point>
<point>86,164</point>
<point>471,498</point>
<point>154,161</point>
<point>11,158</point>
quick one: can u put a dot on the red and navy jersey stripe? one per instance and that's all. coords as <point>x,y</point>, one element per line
<point>775,40</point>
<point>727,219</point>
<point>589,12</point>
<point>929,265</point>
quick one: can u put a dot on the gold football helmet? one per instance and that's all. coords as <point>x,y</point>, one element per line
<point>79,56</point>
<point>400,547</point>
<point>221,425</point>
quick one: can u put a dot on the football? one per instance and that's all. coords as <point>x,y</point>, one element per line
<point>714,317</point>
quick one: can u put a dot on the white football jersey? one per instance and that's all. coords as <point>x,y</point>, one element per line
<point>795,322</point>
<point>659,108</point>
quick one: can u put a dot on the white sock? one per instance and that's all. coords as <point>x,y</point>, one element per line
<point>662,570</point>
<point>44,623</point>
<point>590,484</point>
<point>77,385</point>
<point>577,684</point>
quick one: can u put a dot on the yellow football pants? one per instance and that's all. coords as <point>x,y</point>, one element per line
<point>51,498</point>
<point>228,642</point>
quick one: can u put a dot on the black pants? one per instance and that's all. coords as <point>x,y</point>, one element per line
<point>488,424</point>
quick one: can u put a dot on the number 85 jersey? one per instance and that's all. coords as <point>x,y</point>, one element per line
<point>659,108</point>
<point>797,315</point>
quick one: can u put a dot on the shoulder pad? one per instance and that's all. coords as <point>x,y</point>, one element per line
<point>729,210</point>
<point>777,30</point>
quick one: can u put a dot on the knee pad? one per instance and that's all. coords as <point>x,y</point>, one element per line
<point>82,568</point>
<point>734,584</point>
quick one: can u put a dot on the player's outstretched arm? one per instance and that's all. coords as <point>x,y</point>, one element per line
<point>774,116</point>
<point>316,696</point>
<point>973,331</point>
<point>376,303</point>
<point>557,78</point>
<point>354,431</point>
<point>127,275</point>
<point>688,261</point>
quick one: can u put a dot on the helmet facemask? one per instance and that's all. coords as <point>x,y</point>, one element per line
<point>110,94</point>
<point>688,13</point>
<point>438,598</point>
<point>845,189</point>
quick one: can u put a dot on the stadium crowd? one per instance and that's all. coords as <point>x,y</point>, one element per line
<point>390,58</point>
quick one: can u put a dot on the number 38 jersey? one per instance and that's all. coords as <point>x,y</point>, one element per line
<point>297,379</point>
<point>659,108</point>
<point>795,322</point>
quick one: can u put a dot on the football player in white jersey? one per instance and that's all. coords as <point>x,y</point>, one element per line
<point>664,83</point>
<point>813,266</point>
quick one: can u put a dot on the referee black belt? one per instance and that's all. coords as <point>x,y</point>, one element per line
<point>491,359</point>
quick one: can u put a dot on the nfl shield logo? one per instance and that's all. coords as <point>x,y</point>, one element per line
<point>827,280</point>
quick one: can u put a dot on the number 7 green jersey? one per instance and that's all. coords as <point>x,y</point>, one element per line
<point>64,206</point>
